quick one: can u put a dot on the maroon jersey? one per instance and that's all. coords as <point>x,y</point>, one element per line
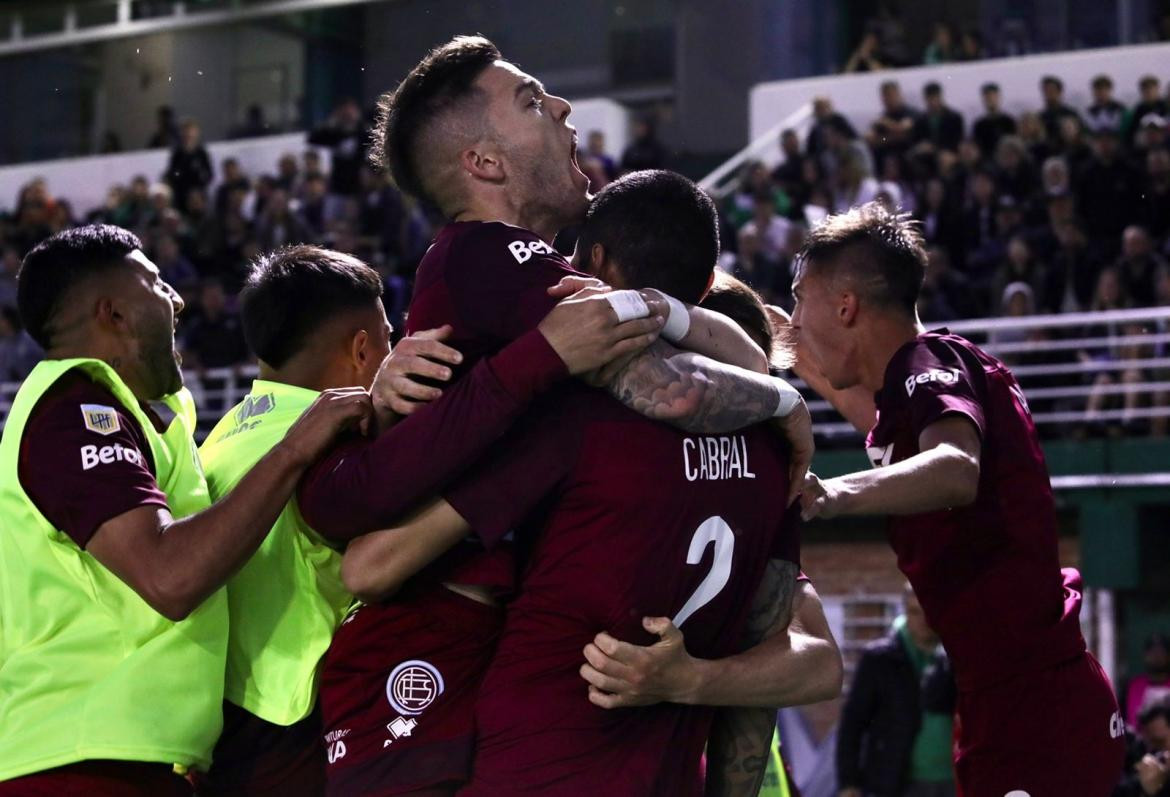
<point>987,574</point>
<point>635,519</point>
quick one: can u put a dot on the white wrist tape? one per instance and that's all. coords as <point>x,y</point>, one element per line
<point>789,398</point>
<point>678,320</point>
<point>627,304</point>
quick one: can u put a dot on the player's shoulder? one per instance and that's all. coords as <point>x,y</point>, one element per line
<point>938,357</point>
<point>497,242</point>
<point>76,399</point>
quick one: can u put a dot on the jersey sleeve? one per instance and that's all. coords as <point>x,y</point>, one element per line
<point>79,477</point>
<point>504,273</point>
<point>501,491</point>
<point>786,543</point>
<point>938,382</point>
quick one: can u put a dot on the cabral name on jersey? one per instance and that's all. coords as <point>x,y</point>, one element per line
<point>933,375</point>
<point>524,250</point>
<point>714,458</point>
<point>92,456</point>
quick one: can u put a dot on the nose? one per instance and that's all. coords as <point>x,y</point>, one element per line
<point>561,108</point>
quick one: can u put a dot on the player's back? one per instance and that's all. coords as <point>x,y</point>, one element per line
<point>987,574</point>
<point>646,521</point>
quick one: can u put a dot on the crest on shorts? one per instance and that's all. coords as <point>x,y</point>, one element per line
<point>412,686</point>
<point>100,418</point>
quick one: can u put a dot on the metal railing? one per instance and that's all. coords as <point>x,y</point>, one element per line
<point>766,148</point>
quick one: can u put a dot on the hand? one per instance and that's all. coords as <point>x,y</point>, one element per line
<point>822,499</point>
<point>585,333</point>
<point>570,285</point>
<point>332,412</point>
<point>796,426</point>
<point>395,390</point>
<point>622,675</point>
<point>1152,774</point>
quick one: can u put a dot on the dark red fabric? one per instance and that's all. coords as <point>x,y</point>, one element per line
<point>100,779</point>
<point>79,478</point>
<point>987,575</point>
<point>450,633</point>
<point>620,541</point>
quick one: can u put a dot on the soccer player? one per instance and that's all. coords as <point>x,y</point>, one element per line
<point>958,466</point>
<point>113,614</point>
<point>617,514</point>
<point>286,602</point>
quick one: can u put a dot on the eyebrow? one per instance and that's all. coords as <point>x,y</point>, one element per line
<point>530,84</point>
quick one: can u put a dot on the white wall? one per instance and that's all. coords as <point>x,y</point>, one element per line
<point>856,96</point>
<point>84,181</point>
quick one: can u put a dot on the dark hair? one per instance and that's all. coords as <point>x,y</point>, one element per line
<point>932,89</point>
<point>882,251</point>
<point>887,85</point>
<point>1102,81</point>
<point>737,300</point>
<point>660,228</point>
<point>1052,80</point>
<point>291,292</point>
<point>440,81</point>
<point>58,264</point>
<point>989,87</point>
<point>1147,80</point>
<point>1151,712</point>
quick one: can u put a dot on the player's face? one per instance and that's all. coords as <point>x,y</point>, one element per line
<point>816,317</point>
<point>155,306</point>
<point>538,145</point>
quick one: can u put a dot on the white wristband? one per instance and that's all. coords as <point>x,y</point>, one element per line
<point>678,318</point>
<point>627,304</point>
<point>789,398</point>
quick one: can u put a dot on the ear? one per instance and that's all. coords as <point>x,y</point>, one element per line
<point>847,309</point>
<point>111,315</point>
<point>359,350</point>
<point>483,164</point>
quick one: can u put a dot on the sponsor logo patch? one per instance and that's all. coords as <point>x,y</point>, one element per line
<point>1116,726</point>
<point>524,250</point>
<point>412,686</point>
<point>100,418</point>
<point>948,377</point>
<point>92,456</point>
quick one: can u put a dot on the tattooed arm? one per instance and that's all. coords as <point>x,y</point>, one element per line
<point>737,749</point>
<point>692,392</point>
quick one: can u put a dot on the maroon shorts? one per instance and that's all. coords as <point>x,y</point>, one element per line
<point>256,758</point>
<point>398,694</point>
<point>1053,733</point>
<point>100,779</point>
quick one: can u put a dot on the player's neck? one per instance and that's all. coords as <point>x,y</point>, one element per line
<point>300,373</point>
<point>500,207</point>
<point>880,343</point>
<point>96,348</point>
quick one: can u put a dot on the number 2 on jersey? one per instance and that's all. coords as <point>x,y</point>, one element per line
<point>716,530</point>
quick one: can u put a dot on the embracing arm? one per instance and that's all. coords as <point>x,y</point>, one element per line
<point>945,474</point>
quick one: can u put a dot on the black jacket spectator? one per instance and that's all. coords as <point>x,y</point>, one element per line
<point>645,151</point>
<point>938,124</point>
<point>346,137</point>
<point>1107,192</point>
<point>989,129</point>
<point>882,715</point>
<point>190,166</point>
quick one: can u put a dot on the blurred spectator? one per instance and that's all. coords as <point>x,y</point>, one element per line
<point>941,49</point>
<point>9,268</point>
<point>941,223</point>
<point>1150,101</point>
<point>824,118</point>
<point>166,132</point>
<point>1018,267</point>
<point>1034,136</point>
<point>790,172</point>
<point>311,164</point>
<point>1015,173</point>
<point>288,174</point>
<point>994,124</point>
<point>214,337</point>
<point>346,137</point>
<point>1072,146</point>
<point>1137,266</point>
<point>1055,179</point>
<point>938,125</point>
<point>1052,92</point>
<point>111,143</point>
<point>895,733</point>
<point>313,209</point>
<point>754,182</point>
<point>853,186</point>
<point>233,180</point>
<point>1105,110</point>
<point>1154,206</point>
<point>595,148</point>
<point>945,292</point>
<point>895,183</point>
<point>1153,685</point>
<point>279,226</point>
<point>868,56</point>
<point>893,132</point>
<point>770,229</point>
<point>1107,190</point>
<point>1151,133</point>
<point>173,267</point>
<point>1151,772</point>
<point>254,124</point>
<point>1071,277</point>
<point>971,46</point>
<point>190,165</point>
<point>645,151</point>
<point>19,353</point>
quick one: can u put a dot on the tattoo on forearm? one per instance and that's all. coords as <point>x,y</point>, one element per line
<point>692,392</point>
<point>737,750</point>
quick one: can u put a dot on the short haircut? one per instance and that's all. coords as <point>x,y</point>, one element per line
<point>932,89</point>
<point>1052,80</point>
<point>1102,81</point>
<point>881,252</point>
<point>292,292</point>
<point>660,228</point>
<point>406,129</point>
<point>889,85</point>
<point>57,265</point>
<point>1147,80</point>
<point>1153,711</point>
<point>989,87</point>
<point>739,302</point>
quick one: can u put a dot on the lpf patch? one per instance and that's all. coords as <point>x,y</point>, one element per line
<point>412,686</point>
<point>100,418</point>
